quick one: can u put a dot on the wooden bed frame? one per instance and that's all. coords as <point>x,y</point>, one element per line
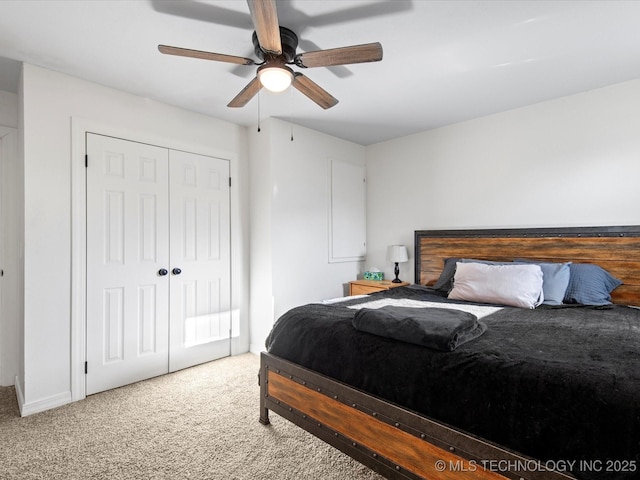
<point>400,444</point>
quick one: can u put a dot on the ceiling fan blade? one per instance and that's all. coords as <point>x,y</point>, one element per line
<point>246,94</point>
<point>218,57</point>
<point>312,90</point>
<point>265,20</point>
<point>369,52</point>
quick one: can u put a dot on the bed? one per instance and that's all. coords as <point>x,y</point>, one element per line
<point>551,392</point>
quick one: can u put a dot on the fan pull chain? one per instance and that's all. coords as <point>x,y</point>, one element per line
<point>258,111</point>
<point>291,118</point>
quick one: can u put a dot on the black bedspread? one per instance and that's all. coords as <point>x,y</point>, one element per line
<point>555,383</point>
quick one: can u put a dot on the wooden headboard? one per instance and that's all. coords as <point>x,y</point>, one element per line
<point>616,249</point>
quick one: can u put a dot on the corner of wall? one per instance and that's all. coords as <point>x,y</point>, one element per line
<point>261,278</point>
<point>19,395</point>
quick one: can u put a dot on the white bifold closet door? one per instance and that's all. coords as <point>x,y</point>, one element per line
<point>158,261</point>
<point>200,306</point>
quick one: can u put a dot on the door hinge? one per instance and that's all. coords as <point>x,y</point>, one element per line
<point>86,367</point>
<point>86,161</point>
<point>229,181</point>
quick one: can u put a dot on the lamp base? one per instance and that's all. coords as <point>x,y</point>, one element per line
<point>396,270</point>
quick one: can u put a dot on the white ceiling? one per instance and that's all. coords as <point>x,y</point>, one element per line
<point>444,61</point>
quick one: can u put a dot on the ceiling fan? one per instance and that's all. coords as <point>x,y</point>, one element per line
<point>276,47</point>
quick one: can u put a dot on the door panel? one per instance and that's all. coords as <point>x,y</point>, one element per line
<point>200,248</point>
<point>127,245</point>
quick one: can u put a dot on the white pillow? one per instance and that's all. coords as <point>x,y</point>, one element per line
<point>515,285</point>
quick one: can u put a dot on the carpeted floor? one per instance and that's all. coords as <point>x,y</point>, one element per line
<point>199,423</point>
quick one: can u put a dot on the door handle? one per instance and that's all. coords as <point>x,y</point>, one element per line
<point>176,271</point>
<point>162,272</point>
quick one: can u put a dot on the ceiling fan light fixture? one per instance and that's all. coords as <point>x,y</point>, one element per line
<point>275,78</point>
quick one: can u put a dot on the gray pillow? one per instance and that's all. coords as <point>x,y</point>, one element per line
<point>590,284</point>
<point>555,280</point>
<point>445,281</point>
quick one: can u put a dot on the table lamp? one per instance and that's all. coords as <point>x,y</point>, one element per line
<point>397,254</point>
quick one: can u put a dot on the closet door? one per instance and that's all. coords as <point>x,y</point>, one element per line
<point>200,259</point>
<point>127,257</point>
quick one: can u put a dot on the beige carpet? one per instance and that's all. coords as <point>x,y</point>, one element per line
<point>200,423</point>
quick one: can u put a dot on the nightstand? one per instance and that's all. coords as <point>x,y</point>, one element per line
<point>363,287</point>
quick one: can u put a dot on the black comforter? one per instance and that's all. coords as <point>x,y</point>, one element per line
<point>560,384</point>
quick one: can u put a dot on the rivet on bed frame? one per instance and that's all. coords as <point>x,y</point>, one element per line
<point>397,425</point>
<point>354,405</point>
<point>452,449</point>
<point>375,455</point>
<point>375,414</point>
<point>304,416</point>
<point>335,397</point>
<point>398,467</point>
<point>354,444</point>
<point>422,436</point>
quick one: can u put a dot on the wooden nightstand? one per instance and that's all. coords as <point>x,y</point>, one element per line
<point>362,287</point>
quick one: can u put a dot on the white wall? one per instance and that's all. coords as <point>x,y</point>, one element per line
<point>8,109</point>
<point>572,161</point>
<point>290,222</point>
<point>261,188</point>
<point>51,103</point>
<point>10,240</point>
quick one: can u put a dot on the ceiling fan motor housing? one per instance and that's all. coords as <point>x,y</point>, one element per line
<point>288,39</point>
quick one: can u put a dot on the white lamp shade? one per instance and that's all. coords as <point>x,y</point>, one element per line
<point>397,254</point>
<point>275,79</point>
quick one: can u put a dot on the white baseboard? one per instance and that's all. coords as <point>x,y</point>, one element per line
<point>40,405</point>
<point>66,397</point>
